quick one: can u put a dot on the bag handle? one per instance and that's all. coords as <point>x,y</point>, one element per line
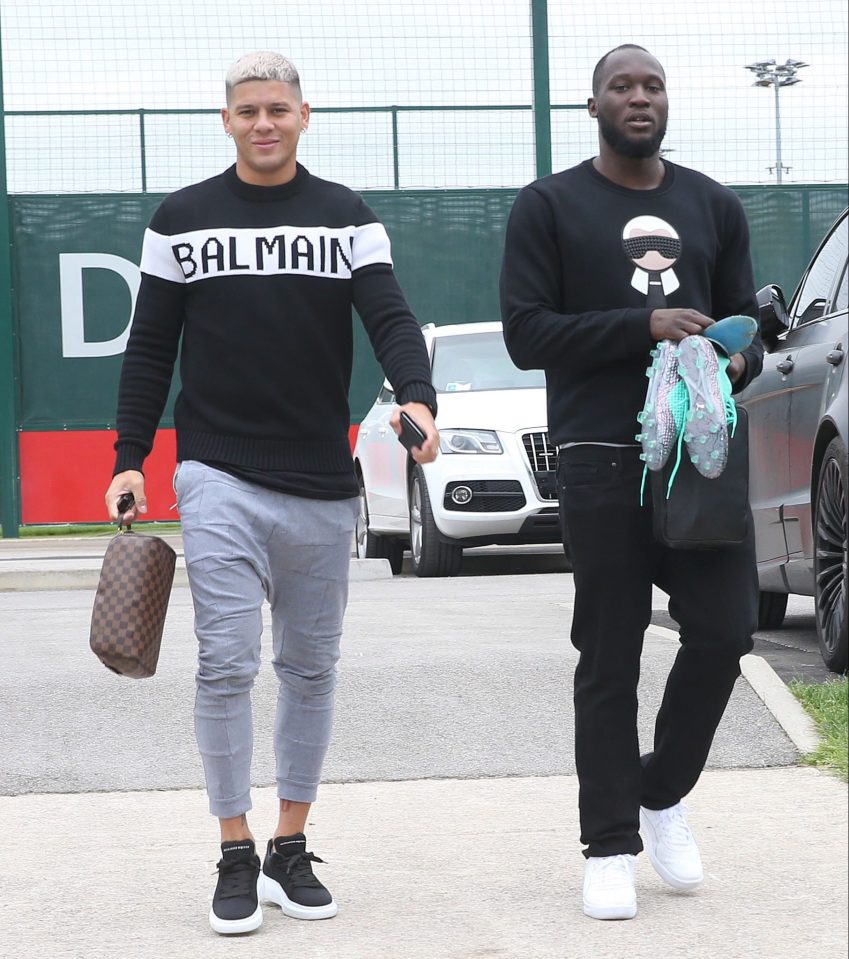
<point>125,503</point>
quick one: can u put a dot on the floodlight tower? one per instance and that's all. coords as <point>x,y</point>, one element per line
<point>776,75</point>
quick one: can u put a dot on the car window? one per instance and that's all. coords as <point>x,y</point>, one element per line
<point>812,297</point>
<point>478,361</point>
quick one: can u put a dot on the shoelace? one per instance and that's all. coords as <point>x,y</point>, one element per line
<point>679,403</point>
<point>683,410</point>
<point>298,867</point>
<point>673,827</point>
<point>614,868</point>
<point>237,877</point>
<point>724,387</point>
<point>614,864</point>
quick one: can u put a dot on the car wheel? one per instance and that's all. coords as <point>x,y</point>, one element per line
<point>830,570</point>
<point>369,545</point>
<point>771,610</point>
<point>431,557</point>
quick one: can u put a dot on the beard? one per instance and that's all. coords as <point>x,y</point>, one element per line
<point>622,144</point>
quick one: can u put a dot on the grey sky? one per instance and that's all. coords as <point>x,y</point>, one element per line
<point>104,55</point>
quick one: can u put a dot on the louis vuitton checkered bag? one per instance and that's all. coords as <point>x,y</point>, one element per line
<point>131,603</point>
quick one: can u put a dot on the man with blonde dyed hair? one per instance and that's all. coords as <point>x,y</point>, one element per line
<point>254,272</point>
<point>263,65</point>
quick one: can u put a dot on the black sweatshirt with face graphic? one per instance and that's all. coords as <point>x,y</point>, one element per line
<point>587,261</point>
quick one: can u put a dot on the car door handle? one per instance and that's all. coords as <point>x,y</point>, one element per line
<point>382,430</point>
<point>835,357</point>
<point>785,366</point>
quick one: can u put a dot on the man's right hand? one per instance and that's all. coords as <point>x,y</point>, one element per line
<point>676,324</point>
<point>130,481</point>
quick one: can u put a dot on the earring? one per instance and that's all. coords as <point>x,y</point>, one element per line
<point>230,135</point>
<point>303,129</point>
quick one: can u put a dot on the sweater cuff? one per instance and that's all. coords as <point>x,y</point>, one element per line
<point>743,379</point>
<point>640,330</point>
<point>128,457</point>
<point>418,393</point>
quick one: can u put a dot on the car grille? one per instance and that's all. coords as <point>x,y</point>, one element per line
<point>542,457</point>
<point>488,496</point>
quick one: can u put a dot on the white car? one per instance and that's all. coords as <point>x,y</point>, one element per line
<point>493,481</point>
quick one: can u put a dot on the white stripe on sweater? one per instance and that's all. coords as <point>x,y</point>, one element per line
<point>328,252</point>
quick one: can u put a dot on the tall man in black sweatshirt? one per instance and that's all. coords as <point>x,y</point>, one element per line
<point>601,262</point>
<point>254,273</point>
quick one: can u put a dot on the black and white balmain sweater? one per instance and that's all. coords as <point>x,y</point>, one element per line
<point>255,286</point>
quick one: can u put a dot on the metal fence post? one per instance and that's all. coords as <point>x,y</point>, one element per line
<point>143,150</point>
<point>396,174</point>
<point>542,87</point>
<point>9,493</point>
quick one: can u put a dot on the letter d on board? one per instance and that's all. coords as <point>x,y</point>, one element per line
<point>71,266</point>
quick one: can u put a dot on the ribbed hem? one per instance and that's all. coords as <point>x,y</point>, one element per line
<point>262,194</point>
<point>129,457</point>
<point>637,332</point>
<point>418,393</point>
<point>666,184</point>
<point>303,456</point>
<point>744,379</point>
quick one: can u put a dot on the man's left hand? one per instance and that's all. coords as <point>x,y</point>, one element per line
<point>426,453</point>
<point>736,367</point>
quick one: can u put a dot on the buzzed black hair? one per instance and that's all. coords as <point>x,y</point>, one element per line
<point>600,65</point>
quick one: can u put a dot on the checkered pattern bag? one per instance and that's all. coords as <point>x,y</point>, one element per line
<point>131,602</point>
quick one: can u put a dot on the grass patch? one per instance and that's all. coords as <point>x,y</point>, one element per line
<point>828,704</point>
<point>92,529</point>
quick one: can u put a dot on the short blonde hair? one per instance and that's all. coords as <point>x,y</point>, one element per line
<point>262,65</point>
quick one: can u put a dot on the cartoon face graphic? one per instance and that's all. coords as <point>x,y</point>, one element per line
<point>653,246</point>
<point>651,243</point>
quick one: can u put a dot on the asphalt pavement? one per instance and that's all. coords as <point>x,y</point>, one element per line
<point>791,650</point>
<point>448,817</point>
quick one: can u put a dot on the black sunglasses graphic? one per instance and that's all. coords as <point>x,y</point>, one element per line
<point>666,246</point>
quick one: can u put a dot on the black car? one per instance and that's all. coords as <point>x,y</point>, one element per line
<point>798,409</point>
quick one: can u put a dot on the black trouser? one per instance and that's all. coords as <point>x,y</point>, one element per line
<point>713,598</point>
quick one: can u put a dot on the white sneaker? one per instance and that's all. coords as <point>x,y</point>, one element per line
<point>609,887</point>
<point>670,846</point>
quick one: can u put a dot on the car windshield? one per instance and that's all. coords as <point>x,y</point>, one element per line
<point>479,361</point>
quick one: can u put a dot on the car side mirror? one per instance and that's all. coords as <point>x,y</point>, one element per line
<point>772,315</point>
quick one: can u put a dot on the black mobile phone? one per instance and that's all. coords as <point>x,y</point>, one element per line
<point>411,433</point>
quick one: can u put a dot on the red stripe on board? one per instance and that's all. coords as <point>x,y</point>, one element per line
<point>65,474</point>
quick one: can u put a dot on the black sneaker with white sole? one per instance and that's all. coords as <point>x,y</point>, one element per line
<point>288,880</point>
<point>235,904</point>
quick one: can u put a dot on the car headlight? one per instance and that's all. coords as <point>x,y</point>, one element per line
<point>469,441</point>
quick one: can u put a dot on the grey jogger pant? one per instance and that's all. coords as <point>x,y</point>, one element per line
<point>244,544</point>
